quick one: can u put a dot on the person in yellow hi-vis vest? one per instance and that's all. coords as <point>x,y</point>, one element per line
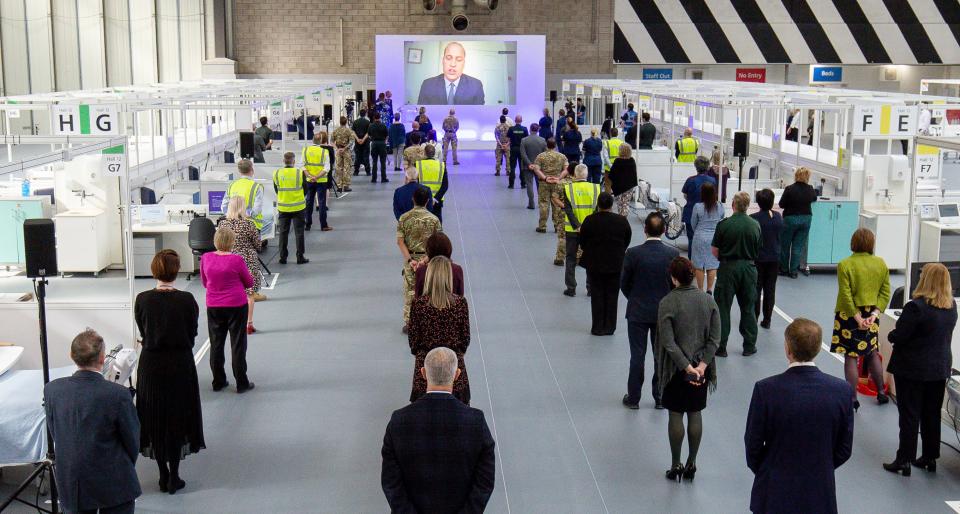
<point>611,151</point>
<point>291,203</point>
<point>433,174</point>
<point>316,170</point>
<point>686,149</point>
<point>251,192</point>
<point>579,201</point>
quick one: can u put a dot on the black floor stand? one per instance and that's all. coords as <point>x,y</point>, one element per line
<point>44,470</point>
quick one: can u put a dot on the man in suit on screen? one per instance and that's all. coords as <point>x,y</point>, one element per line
<point>452,87</point>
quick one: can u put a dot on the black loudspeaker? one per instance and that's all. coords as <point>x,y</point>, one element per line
<point>247,150</point>
<point>193,172</point>
<point>228,158</point>
<point>553,95</point>
<point>741,144</point>
<point>40,247</point>
<point>359,97</point>
<point>608,111</point>
<point>327,113</point>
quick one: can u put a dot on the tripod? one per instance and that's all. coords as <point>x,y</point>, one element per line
<point>47,466</point>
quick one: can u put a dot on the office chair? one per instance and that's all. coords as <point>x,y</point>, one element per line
<point>147,196</point>
<point>200,239</point>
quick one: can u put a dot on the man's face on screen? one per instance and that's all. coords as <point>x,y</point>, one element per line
<point>453,58</point>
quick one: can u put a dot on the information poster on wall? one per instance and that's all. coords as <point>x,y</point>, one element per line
<point>679,113</point>
<point>579,89</point>
<point>928,161</point>
<point>617,95</point>
<point>114,160</point>
<point>596,92</point>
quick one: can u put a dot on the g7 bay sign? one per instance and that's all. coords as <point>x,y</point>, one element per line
<point>83,119</point>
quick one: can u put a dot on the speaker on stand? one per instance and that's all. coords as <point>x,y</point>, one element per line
<point>553,106</point>
<point>741,150</point>
<point>40,254</point>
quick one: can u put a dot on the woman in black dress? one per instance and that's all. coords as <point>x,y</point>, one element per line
<point>688,335</point>
<point>168,393</point>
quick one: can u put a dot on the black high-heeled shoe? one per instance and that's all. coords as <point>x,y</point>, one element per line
<point>689,472</point>
<point>856,405</point>
<point>929,465</point>
<point>675,473</point>
<point>898,467</point>
<point>175,484</point>
<point>882,399</point>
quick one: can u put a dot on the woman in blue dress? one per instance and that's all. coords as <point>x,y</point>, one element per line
<point>704,219</point>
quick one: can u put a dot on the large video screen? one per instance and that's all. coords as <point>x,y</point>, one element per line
<point>460,72</point>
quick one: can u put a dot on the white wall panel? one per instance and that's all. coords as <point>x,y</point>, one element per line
<point>13,40</point>
<point>66,52</point>
<point>144,43</point>
<point>168,32</point>
<point>117,32</point>
<point>40,43</point>
<point>191,38</point>
<point>92,51</point>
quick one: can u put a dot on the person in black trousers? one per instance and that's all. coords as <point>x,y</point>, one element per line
<point>771,224</point>
<point>360,127</point>
<point>94,428</point>
<point>378,147</point>
<point>604,238</point>
<point>920,364</point>
<point>516,133</point>
<point>645,280</point>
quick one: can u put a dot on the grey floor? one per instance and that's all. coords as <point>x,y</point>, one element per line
<point>330,365</point>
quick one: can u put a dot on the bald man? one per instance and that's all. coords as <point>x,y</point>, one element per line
<point>452,86</point>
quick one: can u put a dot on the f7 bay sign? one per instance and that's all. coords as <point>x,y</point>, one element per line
<point>83,119</point>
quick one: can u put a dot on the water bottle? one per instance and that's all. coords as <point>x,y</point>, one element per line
<point>25,188</point>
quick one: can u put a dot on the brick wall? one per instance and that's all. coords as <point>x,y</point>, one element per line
<point>302,36</point>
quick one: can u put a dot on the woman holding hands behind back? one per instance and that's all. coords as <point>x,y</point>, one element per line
<point>688,335</point>
<point>920,364</point>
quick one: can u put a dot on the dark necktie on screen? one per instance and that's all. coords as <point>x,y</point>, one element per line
<point>450,92</point>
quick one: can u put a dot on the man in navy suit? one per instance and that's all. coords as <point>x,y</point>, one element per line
<point>96,434</point>
<point>799,430</point>
<point>452,87</point>
<point>438,453</point>
<point>645,280</point>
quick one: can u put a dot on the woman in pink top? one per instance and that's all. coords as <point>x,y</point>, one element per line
<point>226,277</point>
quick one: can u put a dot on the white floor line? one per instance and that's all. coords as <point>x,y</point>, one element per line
<point>823,345</point>
<point>955,505</point>
<point>202,352</point>
<point>483,363</point>
<point>536,329</point>
<point>273,281</point>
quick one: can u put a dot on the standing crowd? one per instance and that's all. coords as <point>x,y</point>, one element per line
<point>437,452</point>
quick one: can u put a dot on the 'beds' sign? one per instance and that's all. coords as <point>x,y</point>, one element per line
<point>751,74</point>
<point>83,119</point>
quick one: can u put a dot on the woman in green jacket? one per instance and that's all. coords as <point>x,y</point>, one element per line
<point>863,292</point>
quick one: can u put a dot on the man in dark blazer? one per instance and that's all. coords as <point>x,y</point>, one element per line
<point>452,87</point>
<point>645,281</point>
<point>604,238</point>
<point>438,453</point>
<point>799,430</point>
<point>96,434</point>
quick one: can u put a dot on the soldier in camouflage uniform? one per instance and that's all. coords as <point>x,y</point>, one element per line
<point>413,153</point>
<point>413,230</point>
<point>502,150</point>
<point>450,127</point>
<point>342,137</point>
<point>551,168</point>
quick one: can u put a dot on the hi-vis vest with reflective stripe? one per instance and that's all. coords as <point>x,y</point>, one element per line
<point>290,197</point>
<point>313,157</point>
<point>688,150</point>
<point>583,198</point>
<point>613,149</point>
<point>247,189</point>
<point>431,174</point>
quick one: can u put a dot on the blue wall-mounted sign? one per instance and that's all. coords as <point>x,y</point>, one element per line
<point>658,74</point>
<point>826,74</point>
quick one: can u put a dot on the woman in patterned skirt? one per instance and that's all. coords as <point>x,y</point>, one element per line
<point>863,293</point>
<point>439,318</point>
<point>246,245</point>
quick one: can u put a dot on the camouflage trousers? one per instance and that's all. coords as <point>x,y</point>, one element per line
<point>409,280</point>
<point>343,171</point>
<point>546,193</point>
<point>501,155</point>
<point>448,141</point>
